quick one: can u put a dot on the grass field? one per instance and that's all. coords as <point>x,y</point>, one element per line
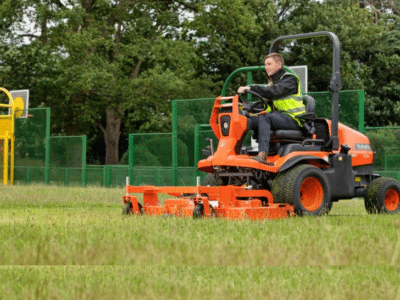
<point>73,243</point>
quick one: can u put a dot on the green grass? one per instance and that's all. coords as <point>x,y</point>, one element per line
<point>184,282</point>
<point>65,243</point>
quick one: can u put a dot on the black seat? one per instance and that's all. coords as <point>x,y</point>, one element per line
<point>282,139</point>
<point>308,124</point>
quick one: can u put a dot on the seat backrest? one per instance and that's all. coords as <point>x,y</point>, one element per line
<point>309,103</point>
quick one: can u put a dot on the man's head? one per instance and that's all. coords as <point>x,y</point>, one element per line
<point>273,62</point>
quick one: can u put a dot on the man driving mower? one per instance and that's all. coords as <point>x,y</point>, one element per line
<point>285,102</point>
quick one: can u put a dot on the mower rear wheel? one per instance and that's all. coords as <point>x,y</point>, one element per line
<point>383,196</point>
<point>306,187</point>
<point>127,210</point>
<point>198,211</point>
<point>212,179</point>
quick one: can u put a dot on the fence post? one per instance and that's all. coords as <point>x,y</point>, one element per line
<point>386,166</point>
<point>28,175</point>
<point>104,176</point>
<point>47,147</point>
<point>138,178</point>
<point>196,152</point>
<point>361,100</point>
<point>108,183</point>
<point>66,177</point>
<point>158,176</point>
<point>130,153</point>
<point>84,172</point>
<point>174,144</point>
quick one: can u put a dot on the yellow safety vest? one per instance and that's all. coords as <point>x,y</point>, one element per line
<point>293,104</point>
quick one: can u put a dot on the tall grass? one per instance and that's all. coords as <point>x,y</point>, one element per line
<point>187,282</point>
<point>64,235</point>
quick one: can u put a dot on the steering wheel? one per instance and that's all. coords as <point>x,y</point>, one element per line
<point>252,107</point>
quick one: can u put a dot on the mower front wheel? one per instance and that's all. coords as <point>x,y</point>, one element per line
<point>198,211</point>
<point>383,195</point>
<point>306,187</point>
<point>127,210</point>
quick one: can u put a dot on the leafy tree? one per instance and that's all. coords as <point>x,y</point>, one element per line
<point>383,76</point>
<point>379,7</point>
<point>369,53</point>
<point>113,59</point>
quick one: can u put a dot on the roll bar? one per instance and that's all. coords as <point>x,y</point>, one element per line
<point>335,84</point>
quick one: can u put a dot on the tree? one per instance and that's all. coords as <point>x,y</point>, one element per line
<point>114,59</point>
<point>227,34</point>
<point>379,7</point>
<point>383,75</point>
<point>369,53</point>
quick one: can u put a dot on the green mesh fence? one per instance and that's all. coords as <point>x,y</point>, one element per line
<point>392,162</point>
<point>32,137</point>
<point>385,142</point>
<point>188,113</point>
<point>150,149</point>
<point>95,175</point>
<point>159,176</point>
<point>40,158</point>
<point>150,160</point>
<point>68,160</point>
<point>350,103</point>
<point>67,151</point>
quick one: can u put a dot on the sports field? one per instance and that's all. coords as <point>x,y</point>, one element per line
<point>74,243</point>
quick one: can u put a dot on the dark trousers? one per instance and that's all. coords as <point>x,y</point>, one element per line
<point>269,122</point>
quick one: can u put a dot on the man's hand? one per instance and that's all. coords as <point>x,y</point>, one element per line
<point>243,89</point>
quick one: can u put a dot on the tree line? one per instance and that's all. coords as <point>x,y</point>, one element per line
<point>107,68</point>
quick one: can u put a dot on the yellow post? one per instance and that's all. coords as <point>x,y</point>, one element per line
<point>5,162</point>
<point>7,133</point>
<point>12,159</point>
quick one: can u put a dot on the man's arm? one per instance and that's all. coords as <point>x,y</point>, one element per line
<point>285,87</point>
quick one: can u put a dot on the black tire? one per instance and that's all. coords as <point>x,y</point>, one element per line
<point>198,211</point>
<point>127,210</point>
<point>212,179</point>
<point>278,189</point>
<point>383,196</point>
<point>305,187</point>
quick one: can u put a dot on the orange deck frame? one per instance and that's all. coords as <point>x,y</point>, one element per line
<point>233,202</point>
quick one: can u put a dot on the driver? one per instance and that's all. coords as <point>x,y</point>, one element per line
<point>285,96</point>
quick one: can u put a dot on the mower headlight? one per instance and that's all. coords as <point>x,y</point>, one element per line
<point>225,123</point>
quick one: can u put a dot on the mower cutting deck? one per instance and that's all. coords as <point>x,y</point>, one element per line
<point>233,202</point>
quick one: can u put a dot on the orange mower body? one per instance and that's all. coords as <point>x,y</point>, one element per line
<point>307,170</point>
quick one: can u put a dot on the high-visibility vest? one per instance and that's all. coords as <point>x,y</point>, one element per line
<point>291,105</point>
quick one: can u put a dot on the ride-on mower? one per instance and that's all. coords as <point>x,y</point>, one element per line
<point>307,169</point>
